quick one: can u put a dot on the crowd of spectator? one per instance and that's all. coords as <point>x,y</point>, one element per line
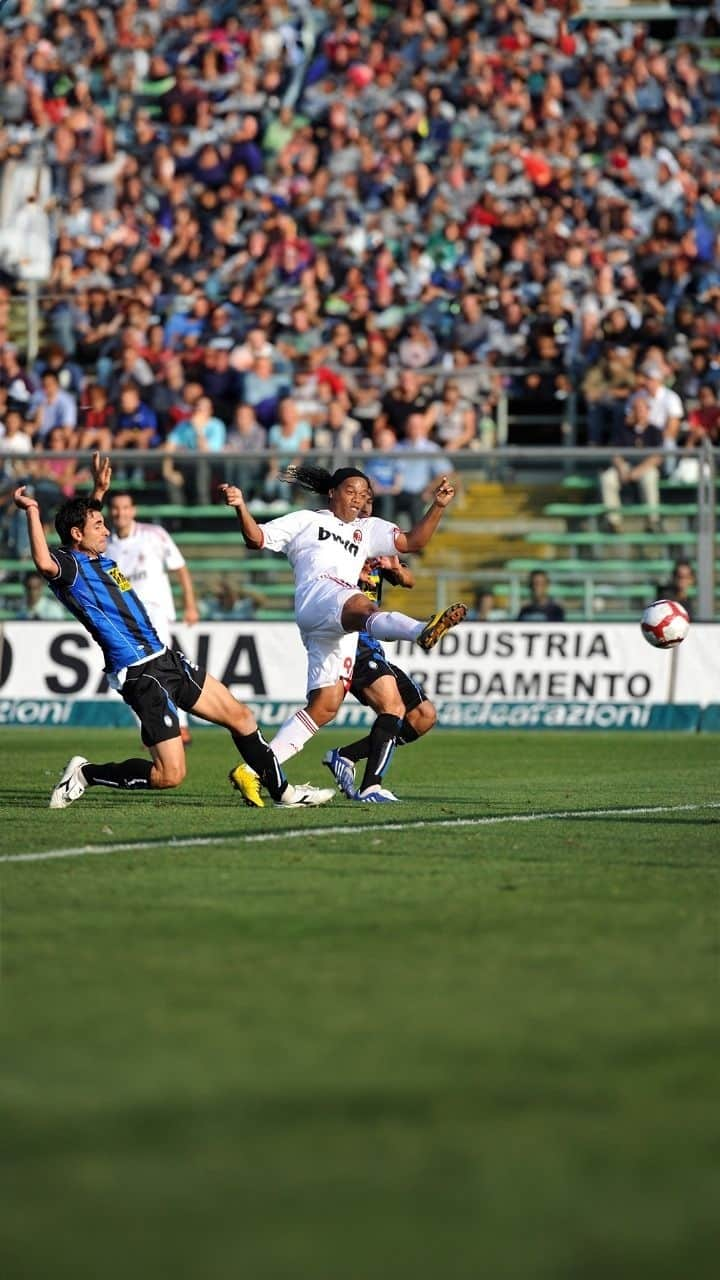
<point>338,225</point>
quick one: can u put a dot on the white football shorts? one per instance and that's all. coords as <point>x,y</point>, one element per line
<point>330,650</point>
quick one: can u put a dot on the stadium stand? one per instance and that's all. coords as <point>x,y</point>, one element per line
<point>355,206</point>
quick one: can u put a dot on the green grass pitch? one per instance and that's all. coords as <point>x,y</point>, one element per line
<point>418,1045</point>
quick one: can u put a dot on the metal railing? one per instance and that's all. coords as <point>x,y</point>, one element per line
<point>132,468</point>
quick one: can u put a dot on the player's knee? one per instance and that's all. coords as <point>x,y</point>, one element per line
<point>423,718</point>
<point>324,704</point>
<point>167,776</point>
<point>243,720</point>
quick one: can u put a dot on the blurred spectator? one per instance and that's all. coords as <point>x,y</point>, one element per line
<point>15,379</point>
<point>418,348</point>
<point>39,604</point>
<point>98,421</point>
<point>58,477</point>
<point>484,607</point>
<point>96,323</point>
<point>607,386</point>
<point>230,604</point>
<point>541,607</point>
<point>637,432</point>
<point>471,330</point>
<point>129,366</point>
<point>417,476</point>
<point>665,405</point>
<point>172,398</point>
<point>246,436</point>
<point>339,433</point>
<point>254,347</point>
<point>219,380</point>
<point>136,424</point>
<point>14,439</point>
<point>681,586</point>
<point>383,469</point>
<point>203,434</point>
<point>704,420</point>
<point>452,419</point>
<point>408,397</point>
<point>288,438</point>
<point>68,374</point>
<point>263,389</point>
<point>55,408</point>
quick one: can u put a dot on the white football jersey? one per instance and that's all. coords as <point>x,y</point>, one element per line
<point>144,557</point>
<point>319,545</point>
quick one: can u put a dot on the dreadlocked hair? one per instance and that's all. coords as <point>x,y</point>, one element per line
<point>317,479</point>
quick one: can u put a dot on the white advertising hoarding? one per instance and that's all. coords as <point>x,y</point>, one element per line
<point>479,667</point>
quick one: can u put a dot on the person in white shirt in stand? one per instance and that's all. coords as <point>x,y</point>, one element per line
<point>666,407</point>
<point>146,554</point>
<point>327,549</point>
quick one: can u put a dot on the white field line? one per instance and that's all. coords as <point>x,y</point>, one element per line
<point>264,837</point>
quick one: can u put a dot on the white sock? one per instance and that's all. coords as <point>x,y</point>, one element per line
<point>292,735</point>
<point>388,625</point>
<point>183,718</point>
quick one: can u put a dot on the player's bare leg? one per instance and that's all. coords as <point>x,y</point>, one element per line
<point>417,723</point>
<point>322,706</point>
<point>341,761</point>
<point>377,747</point>
<point>168,764</point>
<point>217,705</point>
<point>382,624</point>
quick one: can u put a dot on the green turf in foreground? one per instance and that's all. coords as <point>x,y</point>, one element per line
<point>438,1052</point>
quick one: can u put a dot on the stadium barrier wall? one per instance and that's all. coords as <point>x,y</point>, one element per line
<point>496,675</point>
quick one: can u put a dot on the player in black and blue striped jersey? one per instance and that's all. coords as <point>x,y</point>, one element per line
<point>152,679</point>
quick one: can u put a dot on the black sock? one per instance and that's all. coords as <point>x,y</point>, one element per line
<point>128,775</point>
<point>357,750</point>
<point>407,734</point>
<point>255,751</point>
<point>383,736</point>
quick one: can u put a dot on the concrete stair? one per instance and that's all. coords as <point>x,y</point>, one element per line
<point>485,526</point>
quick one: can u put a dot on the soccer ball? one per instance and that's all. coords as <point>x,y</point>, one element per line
<point>665,623</point>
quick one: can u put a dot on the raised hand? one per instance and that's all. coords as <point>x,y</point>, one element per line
<point>232,495</point>
<point>101,474</point>
<point>444,492</point>
<point>24,500</point>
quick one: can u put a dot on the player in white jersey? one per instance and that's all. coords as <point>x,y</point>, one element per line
<point>327,549</point>
<point>146,554</point>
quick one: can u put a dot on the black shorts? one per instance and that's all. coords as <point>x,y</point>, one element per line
<point>154,690</point>
<point>371,665</point>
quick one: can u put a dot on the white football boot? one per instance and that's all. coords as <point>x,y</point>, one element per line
<point>305,796</point>
<point>71,786</point>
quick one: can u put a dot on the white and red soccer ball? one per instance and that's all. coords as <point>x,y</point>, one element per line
<point>665,623</point>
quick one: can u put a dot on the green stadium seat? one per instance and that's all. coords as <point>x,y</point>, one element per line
<point>591,510</point>
<point>596,568</point>
<point>160,511</point>
<point>16,566</point>
<point>237,564</point>
<point>201,538</point>
<point>276,589</point>
<point>220,564</point>
<point>597,539</point>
